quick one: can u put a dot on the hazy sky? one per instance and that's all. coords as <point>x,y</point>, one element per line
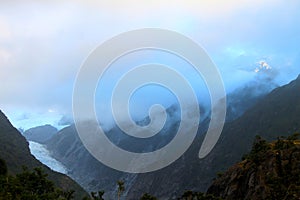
<point>43,44</point>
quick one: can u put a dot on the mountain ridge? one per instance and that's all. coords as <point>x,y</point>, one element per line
<point>236,140</point>
<point>269,171</point>
<point>40,134</point>
<point>14,149</point>
<point>276,113</point>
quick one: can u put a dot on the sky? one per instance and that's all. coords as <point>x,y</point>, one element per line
<point>44,43</point>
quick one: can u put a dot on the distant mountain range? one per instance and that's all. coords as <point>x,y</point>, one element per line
<point>40,134</point>
<point>15,151</point>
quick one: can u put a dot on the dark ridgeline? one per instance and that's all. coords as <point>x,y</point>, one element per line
<point>15,151</point>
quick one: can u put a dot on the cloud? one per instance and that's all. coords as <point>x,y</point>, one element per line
<point>43,44</point>
<point>5,33</point>
<point>5,56</point>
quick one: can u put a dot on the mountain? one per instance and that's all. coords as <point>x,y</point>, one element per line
<point>67,148</point>
<point>276,114</point>
<point>242,99</point>
<point>269,171</point>
<point>40,134</point>
<point>270,116</point>
<point>15,151</point>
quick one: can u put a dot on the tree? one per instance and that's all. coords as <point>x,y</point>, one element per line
<point>294,137</point>
<point>121,188</point>
<point>190,195</point>
<point>147,196</point>
<point>3,168</point>
<point>99,196</point>
<point>32,185</point>
<point>259,148</point>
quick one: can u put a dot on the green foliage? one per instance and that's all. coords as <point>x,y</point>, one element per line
<point>271,168</point>
<point>98,196</point>
<point>283,143</point>
<point>3,168</point>
<point>294,137</point>
<point>190,195</point>
<point>32,185</point>
<point>259,148</point>
<point>15,151</point>
<point>147,196</point>
<point>284,183</point>
<point>121,188</point>
<point>220,174</point>
<point>280,144</point>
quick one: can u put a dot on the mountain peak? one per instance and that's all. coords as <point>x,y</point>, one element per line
<point>40,134</point>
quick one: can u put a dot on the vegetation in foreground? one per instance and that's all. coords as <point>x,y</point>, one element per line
<point>32,185</point>
<point>269,171</point>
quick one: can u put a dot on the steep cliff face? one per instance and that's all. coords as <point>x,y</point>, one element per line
<point>15,151</point>
<point>270,171</point>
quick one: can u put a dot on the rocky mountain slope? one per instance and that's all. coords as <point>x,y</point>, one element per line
<point>15,151</point>
<point>269,171</point>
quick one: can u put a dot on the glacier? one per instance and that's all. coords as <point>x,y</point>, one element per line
<point>41,153</point>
